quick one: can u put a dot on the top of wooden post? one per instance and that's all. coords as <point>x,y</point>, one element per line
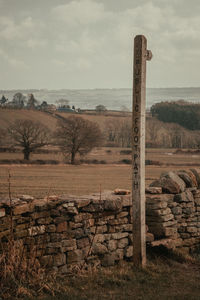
<point>142,38</point>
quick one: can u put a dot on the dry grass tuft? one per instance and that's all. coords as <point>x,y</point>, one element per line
<point>20,272</point>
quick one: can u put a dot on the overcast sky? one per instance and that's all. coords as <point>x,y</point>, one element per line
<point>77,44</point>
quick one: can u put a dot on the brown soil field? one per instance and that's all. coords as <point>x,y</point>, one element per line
<point>110,155</point>
<point>7,116</point>
<point>39,180</point>
<point>100,119</point>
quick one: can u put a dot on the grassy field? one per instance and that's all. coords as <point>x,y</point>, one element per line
<point>168,275</point>
<point>38,180</point>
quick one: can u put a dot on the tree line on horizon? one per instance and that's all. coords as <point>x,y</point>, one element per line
<point>21,101</point>
<point>181,112</point>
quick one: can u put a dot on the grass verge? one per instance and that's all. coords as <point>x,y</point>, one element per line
<point>165,277</point>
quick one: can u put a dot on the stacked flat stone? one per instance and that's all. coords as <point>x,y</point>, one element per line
<point>172,210</point>
<point>69,231</point>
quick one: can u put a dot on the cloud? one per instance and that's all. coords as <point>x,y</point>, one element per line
<point>35,43</point>
<point>8,30</point>
<point>24,32</point>
<point>78,13</point>
<point>83,64</point>
<point>59,63</point>
<point>101,32</point>
<point>80,64</point>
<point>12,61</point>
<point>83,44</point>
<point>95,37</point>
<point>12,31</point>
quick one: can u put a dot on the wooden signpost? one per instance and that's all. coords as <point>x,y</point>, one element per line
<point>141,55</point>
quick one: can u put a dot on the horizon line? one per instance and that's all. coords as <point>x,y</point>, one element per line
<point>102,88</point>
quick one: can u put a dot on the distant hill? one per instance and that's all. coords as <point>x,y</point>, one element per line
<point>158,134</point>
<point>7,116</point>
<point>112,98</point>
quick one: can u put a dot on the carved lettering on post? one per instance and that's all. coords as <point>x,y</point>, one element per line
<point>141,54</point>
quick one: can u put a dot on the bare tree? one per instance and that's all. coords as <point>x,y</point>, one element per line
<point>28,135</point>
<point>18,100</point>
<point>125,133</point>
<point>32,102</point>
<point>165,139</point>
<point>153,127</point>
<point>124,108</point>
<point>177,135</point>
<point>119,131</point>
<point>76,135</point>
<point>2,136</point>
<point>3,100</point>
<point>100,108</point>
<point>112,127</point>
<point>62,102</point>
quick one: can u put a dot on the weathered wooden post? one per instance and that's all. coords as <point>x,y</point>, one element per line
<point>141,54</point>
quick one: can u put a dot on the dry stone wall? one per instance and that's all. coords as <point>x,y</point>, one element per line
<point>174,212</point>
<point>69,231</point>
